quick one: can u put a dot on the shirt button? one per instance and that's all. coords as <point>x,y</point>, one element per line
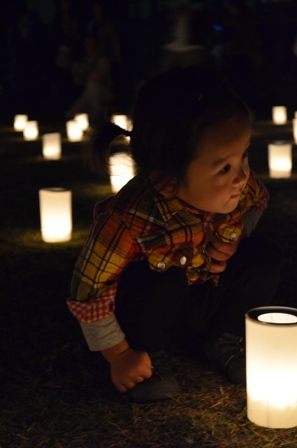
<point>161,265</point>
<point>183,260</point>
<point>232,236</point>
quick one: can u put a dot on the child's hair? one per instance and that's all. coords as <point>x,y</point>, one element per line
<point>169,116</point>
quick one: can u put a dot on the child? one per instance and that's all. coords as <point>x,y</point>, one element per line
<point>170,257</point>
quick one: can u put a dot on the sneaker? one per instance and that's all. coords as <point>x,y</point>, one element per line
<point>161,385</point>
<point>227,353</point>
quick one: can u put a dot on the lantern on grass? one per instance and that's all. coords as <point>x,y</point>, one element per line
<point>31,131</point>
<point>279,115</point>
<point>280,159</point>
<point>51,146</point>
<point>74,132</point>
<point>82,121</point>
<point>121,120</point>
<point>20,121</point>
<point>271,366</point>
<point>121,168</point>
<point>55,206</point>
<point>124,122</point>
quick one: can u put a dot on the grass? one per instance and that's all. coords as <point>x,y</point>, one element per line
<point>55,393</point>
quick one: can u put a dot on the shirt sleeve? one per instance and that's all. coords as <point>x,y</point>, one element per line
<point>108,250</point>
<point>102,334</point>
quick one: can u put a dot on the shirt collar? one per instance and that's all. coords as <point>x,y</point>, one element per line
<point>169,204</point>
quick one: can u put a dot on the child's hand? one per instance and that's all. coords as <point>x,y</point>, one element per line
<point>220,253</point>
<point>129,368</point>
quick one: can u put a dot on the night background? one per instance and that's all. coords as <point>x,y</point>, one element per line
<point>252,41</point>
<point>54,392</point>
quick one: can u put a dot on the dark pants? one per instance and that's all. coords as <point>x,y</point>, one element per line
<point>154,308</point>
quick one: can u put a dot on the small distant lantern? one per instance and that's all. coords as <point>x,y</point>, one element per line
<point>271,357</point>
<point>121,166</point>
<point>51,146</point>
<point>55,214</point>
<point>20,121</point>
<point>280,159</point>
<point>31,130</point>
<point>74,132</point>
<point>122,120</point>
<point>82,121</point>
<point>279,115</point>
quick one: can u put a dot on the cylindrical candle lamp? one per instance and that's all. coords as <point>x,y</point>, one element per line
<point>280,159</point>
<point>51,146</point>
<point>124,122</point>
<point>121,120</point>
<point>55,214</point>
<point>74,132</point>
<point>279,115</point>
<point>20,121</point>
<point>31,131</point>
<point>121,167</point>
<point>82,120</point>
<point>271,357</point>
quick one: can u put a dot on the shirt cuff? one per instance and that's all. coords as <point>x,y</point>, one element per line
<point>102,334</point>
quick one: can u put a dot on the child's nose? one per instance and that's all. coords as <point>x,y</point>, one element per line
<point>241,176</point>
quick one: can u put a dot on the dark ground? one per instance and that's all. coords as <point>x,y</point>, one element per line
<point>57,394</point>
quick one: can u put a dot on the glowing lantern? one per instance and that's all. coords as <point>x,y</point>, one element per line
<point>74,132</point>
<point>51,146</point>
<point>122,120</point>
<point>271,356</point>
<point>279,115</point>
<point>280,159</point>
<point>121,168</point>
<point>31,131</point>
<point>82,121</point>
<point>55,214</point>
<point>20,121</point>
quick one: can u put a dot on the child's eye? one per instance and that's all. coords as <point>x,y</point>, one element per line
<point>246,153</point>
<point>225,169</point>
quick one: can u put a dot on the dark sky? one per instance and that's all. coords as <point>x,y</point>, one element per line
<point>254,44</point>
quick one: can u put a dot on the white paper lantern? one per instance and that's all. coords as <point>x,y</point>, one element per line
<point>280,159</point>
<point>31,131</point>
<point>279,115</point>
<point>82,121</point>
<point>20,121</point>
<point>74,131</point>
<point>122,120</point>
<point>271,356</point>
<point>121,167</point>
<point>51,146</point>
<point>55,214</point>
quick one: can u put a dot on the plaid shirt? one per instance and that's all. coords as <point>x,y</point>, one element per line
<point>143,222</point>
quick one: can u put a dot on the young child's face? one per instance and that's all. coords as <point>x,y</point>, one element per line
<point>217,176</point>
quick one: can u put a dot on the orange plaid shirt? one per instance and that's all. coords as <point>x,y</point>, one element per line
<point>143,222</point>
